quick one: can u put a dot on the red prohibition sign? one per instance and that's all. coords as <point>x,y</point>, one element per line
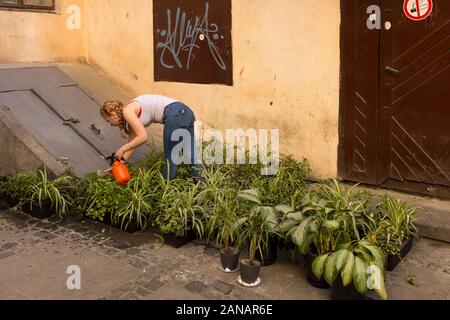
<point>418,9</point>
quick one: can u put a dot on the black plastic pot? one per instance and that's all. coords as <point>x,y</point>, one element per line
<point>394,260</point>
<point>38,212</point>
<point>339,292</point>
<point>229,258</point>
<point>7,202</point>
<point>249,271</point>
<point>310,276</point>
<point>131,228</point>
<point>172,240</point>
<point>269,255</point>
<point>4,204</point>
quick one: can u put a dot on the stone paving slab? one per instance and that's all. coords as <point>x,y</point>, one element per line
<point>35,254</point>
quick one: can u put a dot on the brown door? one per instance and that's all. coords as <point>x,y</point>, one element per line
<point>411,112</point>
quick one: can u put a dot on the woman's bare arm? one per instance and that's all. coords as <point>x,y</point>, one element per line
<point>138,133</point>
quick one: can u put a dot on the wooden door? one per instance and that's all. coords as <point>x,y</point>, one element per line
<point>412,139</point>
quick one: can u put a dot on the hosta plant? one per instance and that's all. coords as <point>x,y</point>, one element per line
<point>358,262</point>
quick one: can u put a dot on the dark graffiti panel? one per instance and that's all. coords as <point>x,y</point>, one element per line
<point>192,41</point>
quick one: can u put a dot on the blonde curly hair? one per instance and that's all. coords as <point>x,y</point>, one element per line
<point>117,107</point>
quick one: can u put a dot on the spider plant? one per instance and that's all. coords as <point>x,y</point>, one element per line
<point>391,225</point>
<point>140,200</point>
<point>56,193</point>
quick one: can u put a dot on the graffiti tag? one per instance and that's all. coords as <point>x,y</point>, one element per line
<point>183,35</point>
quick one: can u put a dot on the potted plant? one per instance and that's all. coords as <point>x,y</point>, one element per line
<point>180,212</point>
<point>98,197</point>
<point>139,200</point>
<point>392,229</point>
<point>269,252</point>
<point>328,216</point>
<point>222,221</point>
<point>14,189</point>
<point>223,224</point>
<point>352,270</point>
<point>258,225</point>
<point>44,196</point>
<point>4,202</point>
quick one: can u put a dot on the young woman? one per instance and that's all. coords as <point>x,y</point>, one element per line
<point>141,112</point>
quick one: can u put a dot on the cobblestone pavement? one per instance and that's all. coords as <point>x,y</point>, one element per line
<point>35,255</point>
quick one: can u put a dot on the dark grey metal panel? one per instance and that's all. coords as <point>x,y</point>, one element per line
<point>47,128</point>
<point>192,41</point>
<point>27,78</point>
<point>71,102</point>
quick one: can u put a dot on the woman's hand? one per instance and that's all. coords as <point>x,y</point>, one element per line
<point>109,170</point>
<point>120,153</point>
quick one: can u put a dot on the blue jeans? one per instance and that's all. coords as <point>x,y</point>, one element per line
<point>179,116</point>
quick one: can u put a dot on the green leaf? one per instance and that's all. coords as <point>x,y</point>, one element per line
<point>250,195</point>
<point>298,216</point>
<point>287,225</point>
<point>300,233</point>
<point>360,275</point>
<point>341,257</point>
<point>363,254</point>
<point>377,255</point>
<point>347,270</point>
<point>269,216</point>
<point>307,209</point>
<point>304,248</point>
<point>318,265</point>
<point>331,224</point>
<point>284,209</point>
<point>330,269</point>
<point>381,289</point>
<point>313,226</point>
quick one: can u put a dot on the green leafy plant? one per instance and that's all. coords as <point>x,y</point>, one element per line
<point>328,216</point>
<point>99,195</point>
<point>411,279</point>
<point>258,224</point>
<point>180,207</point>
<point>360,262</point>
<point>221,208</point>
<point>16,187</point>
<point>56,193</point>
<point>391,224</point>
<point>139,200</point>
<point>288,181</point>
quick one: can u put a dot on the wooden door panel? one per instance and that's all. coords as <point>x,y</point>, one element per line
<point>415,135</point>
<point>360,100</point>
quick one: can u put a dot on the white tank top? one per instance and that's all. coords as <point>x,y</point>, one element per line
<point>152,108</point>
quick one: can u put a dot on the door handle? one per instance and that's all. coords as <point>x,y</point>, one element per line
<point>392,71</point>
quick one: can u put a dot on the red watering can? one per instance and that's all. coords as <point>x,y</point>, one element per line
<point>119,171</point>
